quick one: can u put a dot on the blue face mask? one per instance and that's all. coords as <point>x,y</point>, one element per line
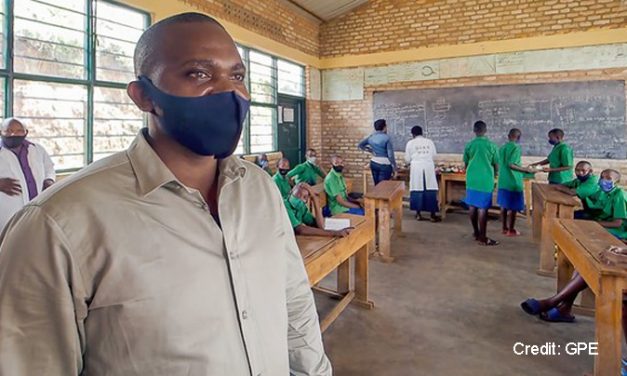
<point>553,142</point>
<point>606,185</point>
<point>207,125</point>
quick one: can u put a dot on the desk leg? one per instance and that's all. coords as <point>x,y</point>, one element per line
<point>398,216</point>
<point>608,327</point>
<point>361,279</point>
<point>565,270</point>
<point>370,208</point>
<point>536,217</point>
<point>547,246</point>
<point>343,277</point>
<point>443,198</point>
<point>384,231</point>
<point>528,202</point>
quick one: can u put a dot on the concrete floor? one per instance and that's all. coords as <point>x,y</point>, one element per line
<point>447,306</point>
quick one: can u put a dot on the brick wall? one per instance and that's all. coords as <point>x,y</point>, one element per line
<point>388,25</point>
<point>271,18</point>
<point>345,123</point>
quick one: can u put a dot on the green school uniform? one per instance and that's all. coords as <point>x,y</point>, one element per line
<point>561,156</point>
<point>283,183</point>
<point>608,207</point>
<point>334,184</point>
<point>306,173</point>
<point>480,157</point>
<point>511,180</point>
<point>584,189</point>
<point>298,213</point>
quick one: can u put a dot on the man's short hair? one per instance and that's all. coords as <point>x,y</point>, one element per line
<point>149,41</point>
<point>480,127</point>
<point>615,174</point>
<point>557,132</point>
<point>416,131</point>
<point>514,132</point>
<point>582,163</point>
<point>281,160</point>
<point>379,125</point>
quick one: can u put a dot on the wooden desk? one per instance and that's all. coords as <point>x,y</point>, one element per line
<point>548,204</point>
<point>322,255</point>
<point>367,183</point>
<point>387,197</point>
<point>578,245</point>
<point>447,178</point>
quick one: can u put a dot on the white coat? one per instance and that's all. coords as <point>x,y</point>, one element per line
<point>40,164</point>
<point>420,152</point>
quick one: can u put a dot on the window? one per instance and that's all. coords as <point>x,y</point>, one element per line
<point>291,78</point>
<point>267,77</point>
<point>71,62</point>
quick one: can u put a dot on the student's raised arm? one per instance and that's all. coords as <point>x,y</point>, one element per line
<point>304,340</point>
<point>42,299</point>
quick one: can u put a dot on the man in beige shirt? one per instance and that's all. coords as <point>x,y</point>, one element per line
<point>161,260</point>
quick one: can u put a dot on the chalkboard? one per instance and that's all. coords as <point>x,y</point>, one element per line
<point>592,114</point>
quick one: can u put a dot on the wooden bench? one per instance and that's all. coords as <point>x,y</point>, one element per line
<point>578,246</point>
<point>322,255</point>
<point>548,204</point>
<point>447,179</point>
<point>387,198</point>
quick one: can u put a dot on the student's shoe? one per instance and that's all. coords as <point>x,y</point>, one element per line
<point>531,306</point>
<point>554,315</point>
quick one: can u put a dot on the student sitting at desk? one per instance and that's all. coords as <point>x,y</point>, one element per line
<point>510,197</point>
<point>480,158</point>
<point>560,160</point>
<point>309,171</point>
<point>335,188</point>
<point>609,209</point>
<point>281,179</point>
<point>303,221</point>
<point>585,183</point>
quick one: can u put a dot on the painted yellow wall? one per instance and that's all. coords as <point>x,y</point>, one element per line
<point>163,8</point>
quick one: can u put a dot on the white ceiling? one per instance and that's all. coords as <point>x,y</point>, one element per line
<point>328,9</point>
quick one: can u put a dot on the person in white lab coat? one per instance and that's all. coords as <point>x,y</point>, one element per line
<point>419,154</point>
<point>25,169</point>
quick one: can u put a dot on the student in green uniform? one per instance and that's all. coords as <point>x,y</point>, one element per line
<point>309,171</point>
<point>560,160</point>
<point>281,179</point>
<point>585,185</point>
<point>611,212</point>
<point>303,221</point>
<point>510,197</point>
<point>335,188</point>
<point>481,159</point>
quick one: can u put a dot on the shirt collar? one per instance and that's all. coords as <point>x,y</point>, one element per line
<point>151,173</point>
<point>335,173</point>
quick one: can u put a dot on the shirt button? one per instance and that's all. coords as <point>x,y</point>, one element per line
<point>244,315</point>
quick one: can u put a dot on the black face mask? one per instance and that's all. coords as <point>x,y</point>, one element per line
<point>338,169</point>
<point>283,171</point>
<point>13,141</point>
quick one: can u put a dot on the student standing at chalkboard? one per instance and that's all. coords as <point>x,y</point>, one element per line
<point>379,144</point>
<point>481,160</point>
<point>560,160</point>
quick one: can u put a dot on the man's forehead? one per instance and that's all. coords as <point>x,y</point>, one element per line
<point>196,37</point>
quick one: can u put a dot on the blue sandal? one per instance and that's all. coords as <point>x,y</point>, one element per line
<point>531,306</point>
<point>554,315</point>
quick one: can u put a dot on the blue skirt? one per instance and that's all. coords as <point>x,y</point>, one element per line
<point>481,200</point>
<point>511,200</point>
<point>426,201</point>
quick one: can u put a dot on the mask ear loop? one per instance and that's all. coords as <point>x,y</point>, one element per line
<point>141,80</point>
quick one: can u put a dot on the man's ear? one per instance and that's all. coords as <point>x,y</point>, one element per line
<point>136,92</point>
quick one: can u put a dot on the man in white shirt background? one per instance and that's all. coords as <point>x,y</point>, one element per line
<point>25,169</point>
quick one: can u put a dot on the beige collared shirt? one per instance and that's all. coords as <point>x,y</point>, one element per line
<point>121,270</point>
